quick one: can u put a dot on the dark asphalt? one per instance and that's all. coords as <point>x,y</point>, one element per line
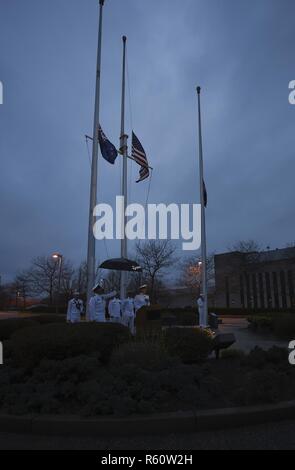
<point>273,436</point>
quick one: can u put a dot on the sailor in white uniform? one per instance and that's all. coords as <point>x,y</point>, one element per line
<point>141,299</point>
<point>97,304</point>
<point>75,309</point>
<point>201,309</point>
<point>128,312</point>
<point>114,309</point>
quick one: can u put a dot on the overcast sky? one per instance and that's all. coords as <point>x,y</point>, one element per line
<point>241,53</point>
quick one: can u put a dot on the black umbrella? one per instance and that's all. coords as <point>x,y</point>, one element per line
<point>121,264</point>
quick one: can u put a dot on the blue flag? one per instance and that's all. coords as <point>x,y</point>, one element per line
<point>108,150</point>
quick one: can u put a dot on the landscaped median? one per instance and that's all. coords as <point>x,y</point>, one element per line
<point>96,378</point>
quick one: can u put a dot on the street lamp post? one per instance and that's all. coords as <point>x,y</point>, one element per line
<point>59,258</point>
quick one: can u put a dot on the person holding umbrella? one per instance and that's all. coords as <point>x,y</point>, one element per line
<point>97,304</point>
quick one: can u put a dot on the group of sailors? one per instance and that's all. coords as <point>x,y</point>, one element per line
<point>119,311</point>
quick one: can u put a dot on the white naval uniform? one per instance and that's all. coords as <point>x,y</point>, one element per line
<point>141,300</point>
<point>128,313</point>
<point>201,310</point>
<point>75,308</point>
<point>114,310</point>
<point>97,305</point>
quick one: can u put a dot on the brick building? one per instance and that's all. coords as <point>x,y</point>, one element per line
<point>263,280</point>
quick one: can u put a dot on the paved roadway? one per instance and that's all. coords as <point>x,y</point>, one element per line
<point>273,436</point>
<point>247,339</point>
<point>5,315</point>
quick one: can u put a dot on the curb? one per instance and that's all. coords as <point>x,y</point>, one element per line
<point>168,423</point>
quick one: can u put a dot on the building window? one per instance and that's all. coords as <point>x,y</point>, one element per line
<point>248,291</point>
<point>276,290</point>
<point>254,289</point>
<point>283,289</point>
<point>261,290</point>
<point>291,288</point>
<point>242,292</point>
<point>268,290</point>
<point>227,292</point>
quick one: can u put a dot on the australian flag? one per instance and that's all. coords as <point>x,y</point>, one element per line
<point>108,150</point>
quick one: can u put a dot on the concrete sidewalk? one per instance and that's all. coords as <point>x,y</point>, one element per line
<point>246,338</point>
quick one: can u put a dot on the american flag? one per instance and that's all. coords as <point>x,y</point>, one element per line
<point>139,155</point>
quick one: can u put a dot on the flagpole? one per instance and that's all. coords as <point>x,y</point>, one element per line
<point>124,152</point>
<point>203,219</point>
<point>94,168</point>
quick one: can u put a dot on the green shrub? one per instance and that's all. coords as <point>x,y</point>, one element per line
<point>44,319</point>
<point>189,344</point>
<point>61,341</point>
<point>232,353</point>
<point>11,325</point>
<point>264,322</point>
<point>249,311</point>
<point>81,385</point>
<point>156,316</point>
<point>46,309</point>
<point>263,386</point>
<point>145,354</point>
<point>74,369</point>
<point>184,316</point>
<point>284,326</point>
<point>259,358</point>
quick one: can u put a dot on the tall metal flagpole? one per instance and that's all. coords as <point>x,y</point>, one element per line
<point>124,151</point>
<point>94,167</point>
<point>203,219</point>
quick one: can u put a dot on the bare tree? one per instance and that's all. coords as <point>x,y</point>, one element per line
<point>4,296</point>
<point>290,245</point>
<point>135,281</point>
<point>155,256</point>
<point>191,273</point>
<point>80,277</point>
<point>250,247</point>
<point>22,287</point>
<point>113,280</point>
<point>80,281</point>
<point>42,277</point>
<point>246,246</point>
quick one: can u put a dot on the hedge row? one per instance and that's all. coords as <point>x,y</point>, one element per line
<point>156,316</point>
<point>246,311</point>
<point>57,341</point>
<point>10,325</point>
<point>32,343</point>
<point>283,325</point>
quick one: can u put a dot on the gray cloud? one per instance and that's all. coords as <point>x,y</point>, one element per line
<point>241,53</point>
